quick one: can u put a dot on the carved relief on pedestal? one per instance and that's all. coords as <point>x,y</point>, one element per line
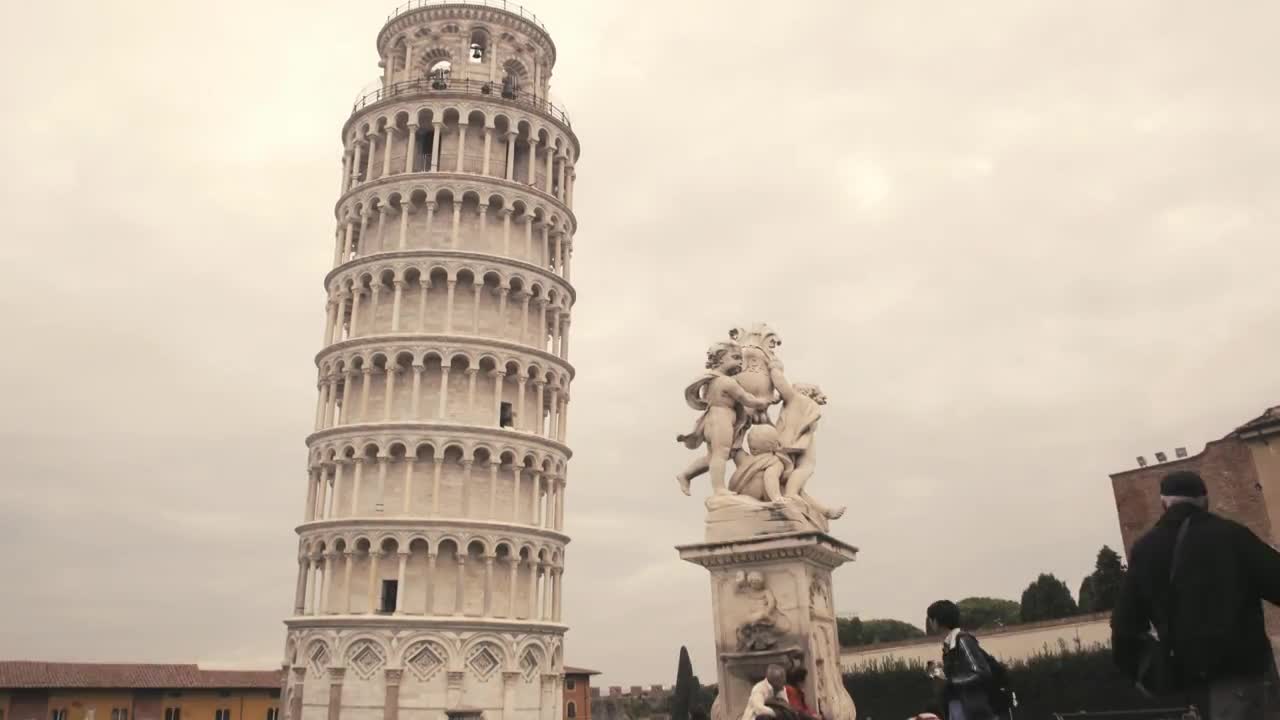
<point>763,625</point>
<point>820,596</point>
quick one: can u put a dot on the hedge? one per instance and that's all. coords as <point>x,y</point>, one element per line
<point>1053,681</point>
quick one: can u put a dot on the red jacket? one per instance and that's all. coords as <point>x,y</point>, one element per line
<point>795,698</point>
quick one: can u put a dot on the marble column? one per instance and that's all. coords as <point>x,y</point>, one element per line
<point>336,675</point>
<point>300,590</point>
<point>411,139</point>
<point>459,594</point>
<point>437,130</point>
<point>488,149</point>
<point>488,586</point>
<point>429,605</point>
<point>406,501</point>
<point>401,585</point>
<point>371,594</point>
<point>348,561</point>
<point>391,698</point>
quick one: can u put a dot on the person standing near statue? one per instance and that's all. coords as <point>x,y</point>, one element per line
<point>769,691</point>
<point>795,694</point>
<point>966,672</point>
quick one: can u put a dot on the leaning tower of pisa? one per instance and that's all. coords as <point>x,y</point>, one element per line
<point>431,549</point>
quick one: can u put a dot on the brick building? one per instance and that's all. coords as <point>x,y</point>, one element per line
<point>116,691</point>
<point>1242,472</point>
<point>577,693</point>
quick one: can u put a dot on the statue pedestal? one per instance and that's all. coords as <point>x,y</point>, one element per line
<point>771,600</point>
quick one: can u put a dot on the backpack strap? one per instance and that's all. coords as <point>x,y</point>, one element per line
<point>1164,626</point>
<point>1177,548</point>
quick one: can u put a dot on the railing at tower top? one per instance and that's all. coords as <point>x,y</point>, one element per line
<point>450,85</point>
<point>510,7</point>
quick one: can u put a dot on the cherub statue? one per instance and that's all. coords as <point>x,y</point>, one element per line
<point>782,456</point>
<point>797,434</point>
<point>758,474</point>
<point>764,625</point>
<point>725,418</point>
<point>758,344</point>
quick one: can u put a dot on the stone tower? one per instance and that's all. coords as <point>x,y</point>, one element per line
<point>432,547</point>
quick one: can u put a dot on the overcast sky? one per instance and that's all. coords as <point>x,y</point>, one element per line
<point>1016,243</point>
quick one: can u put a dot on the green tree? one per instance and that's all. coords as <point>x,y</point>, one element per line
<point>855,631</point>
<point>1108,576</point>
<point>682,698</point>
<point>1087,600</point>
<point>849,631</point>
<point>1048,598</point>
<point>988,612</point>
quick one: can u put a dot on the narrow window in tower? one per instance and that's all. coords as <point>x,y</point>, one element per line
<point>389,588</point>
<point>573,710</point>
<point>422,162</point>
<point>569,684</point>
<point>505,418</point>
<point>173,713</point>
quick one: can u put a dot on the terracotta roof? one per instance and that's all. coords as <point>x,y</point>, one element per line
<point>29,674</point>
<point>579,671</point>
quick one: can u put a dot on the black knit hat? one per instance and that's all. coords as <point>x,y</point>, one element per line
<point>1183,483</point>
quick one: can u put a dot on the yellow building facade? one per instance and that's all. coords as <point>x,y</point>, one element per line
<point>83,691</point>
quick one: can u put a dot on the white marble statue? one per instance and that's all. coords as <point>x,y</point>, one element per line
<point>773,460</point>
<point>725,405</point>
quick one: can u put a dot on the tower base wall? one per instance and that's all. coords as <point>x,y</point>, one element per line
<point>416,674</point>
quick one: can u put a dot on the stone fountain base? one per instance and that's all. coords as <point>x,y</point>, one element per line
<point>772,604</point>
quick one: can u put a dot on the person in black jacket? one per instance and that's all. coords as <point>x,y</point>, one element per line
<point>1212,606</point>
<point>965,672</point>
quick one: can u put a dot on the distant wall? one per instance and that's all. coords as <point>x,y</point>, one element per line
<point>1012,643</point>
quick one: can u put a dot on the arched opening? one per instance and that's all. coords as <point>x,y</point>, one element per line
<point>479,47</point>
<point>513,78</point>
<point>439,72</point>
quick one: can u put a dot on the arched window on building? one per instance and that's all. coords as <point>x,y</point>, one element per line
<point>572,710</point>
<point>439,74</point>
